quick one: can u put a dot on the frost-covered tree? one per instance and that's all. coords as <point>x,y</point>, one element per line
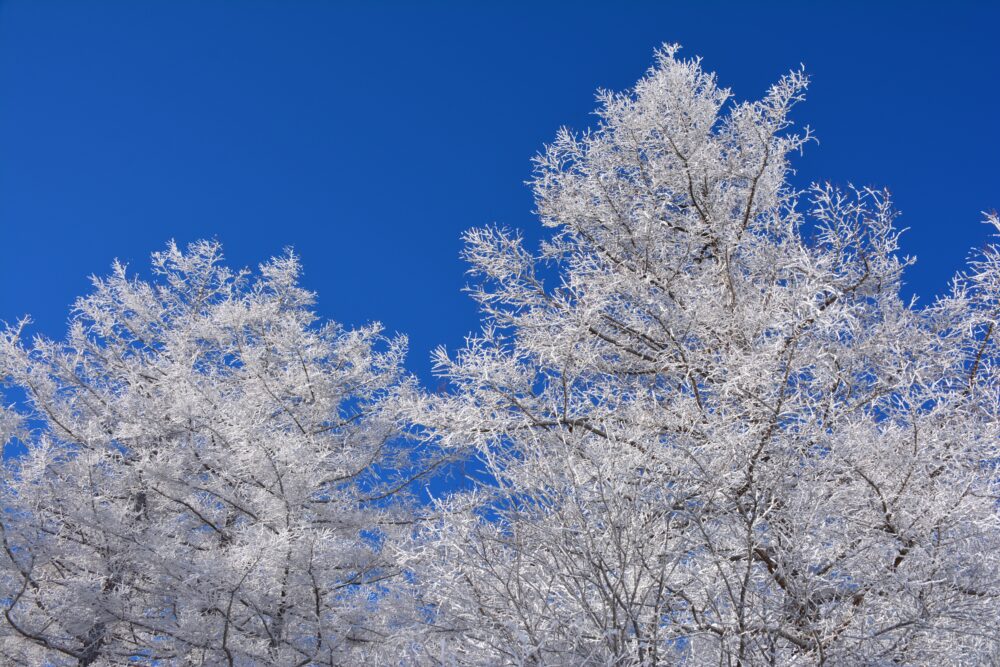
<point>208,475</point>
<point>712,431</point>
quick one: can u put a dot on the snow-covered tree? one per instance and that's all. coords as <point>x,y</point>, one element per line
<point>208,478</point>
<point>712,431</point>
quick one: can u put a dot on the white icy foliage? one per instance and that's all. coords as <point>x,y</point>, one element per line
<point>206,476</point>
<point>702,428</point>
<point>718,436</point>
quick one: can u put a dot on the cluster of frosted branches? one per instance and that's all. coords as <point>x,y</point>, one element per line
<point>718,435</point>
<point>706,429</point>
<point>204,476</point>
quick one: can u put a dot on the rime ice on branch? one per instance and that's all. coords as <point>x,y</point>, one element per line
<point>209,476</point>
<point>718,435</point>
<point>709,431</point>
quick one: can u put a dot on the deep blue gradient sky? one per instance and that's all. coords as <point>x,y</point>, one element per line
<point>368,136</point>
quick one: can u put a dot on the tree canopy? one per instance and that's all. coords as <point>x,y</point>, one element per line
<point>709,429</point>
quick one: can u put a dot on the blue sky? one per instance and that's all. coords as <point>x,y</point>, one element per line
<point>368,136</point>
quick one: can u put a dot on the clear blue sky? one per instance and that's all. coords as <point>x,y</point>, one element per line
<point>368,136</point>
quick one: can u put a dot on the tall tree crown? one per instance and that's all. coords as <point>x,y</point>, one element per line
<point>719,435</point>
